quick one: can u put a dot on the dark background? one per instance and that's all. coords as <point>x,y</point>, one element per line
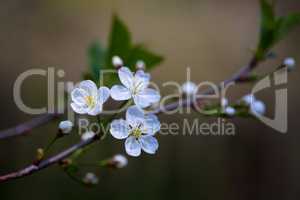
<point>214,38</point>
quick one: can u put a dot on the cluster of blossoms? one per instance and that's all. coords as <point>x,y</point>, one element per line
<point>256,107</point>
<point>138,127</point>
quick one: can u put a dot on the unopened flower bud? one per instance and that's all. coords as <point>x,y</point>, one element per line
<point>189,88</point>
<point>229,111</point>
<point>119,161</point>
<point>258,108</point>
<point>39,154</point>
<point>117,61</point>
<point>248,99</point>
<point>87,135</point>
<point>90,179</point>
<point>65,127</point>
<point>289,63</point>
<point>140,65</point>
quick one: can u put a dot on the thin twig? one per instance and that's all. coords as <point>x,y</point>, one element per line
<point>48,162</point>
<point>64,154</point>
<point>26,127</point>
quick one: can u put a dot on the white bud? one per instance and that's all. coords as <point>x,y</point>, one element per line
<point>90,178</point>
<point>189,88</point>
<point>248,99</point>
<point>229,111</point>
<point>289,63</point>
<point>65,126</point>
<point>117,61</point>
<point>258,108</point>
<point>87,135</point>
<point>120,161</point>
<point>140,65</point>
<point>224,102</point>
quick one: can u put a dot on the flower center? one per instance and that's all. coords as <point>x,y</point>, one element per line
<point>90,101</point>
<point>136,132</point>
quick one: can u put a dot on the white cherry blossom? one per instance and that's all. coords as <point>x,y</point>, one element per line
<point>135,86</point>
<point>138,129</point>
<point>88,99</point>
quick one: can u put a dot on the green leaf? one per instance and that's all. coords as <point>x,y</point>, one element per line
<point>96,60</point>
<point>139,52</point>
<point>267,27</point>
<point>119,41</point>
<point>286,24</point>
<point>272,28</point>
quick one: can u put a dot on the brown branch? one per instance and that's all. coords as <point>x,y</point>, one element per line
<point>64,154</point>
<point>48,162</point>
<point>26,127</point>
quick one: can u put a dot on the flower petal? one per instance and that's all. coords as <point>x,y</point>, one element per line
<point>126,77</point>
<point>119,129</point>
<point>146,97</point>
<point>135,116</point>
<point>151,125</point>
<point>132,146</point>
<point>78,109</point>
<point>79,95</point>
<point>103,94</point>
<point>149,144</point>
<point>96,110</point>
<point>142,80</point>
<point>120,93</point>
<point>89,86</point>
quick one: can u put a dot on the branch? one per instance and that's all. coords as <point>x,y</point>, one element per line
<point>64,154</point>
<point>26,127</point>
<point>48,162</point>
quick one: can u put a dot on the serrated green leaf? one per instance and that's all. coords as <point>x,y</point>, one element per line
<point>96,57</point>
<point>119,41</point>
<point>286,24</point>
<point>139,52</point>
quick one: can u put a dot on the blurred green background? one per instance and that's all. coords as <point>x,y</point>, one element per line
<point>214,38</point>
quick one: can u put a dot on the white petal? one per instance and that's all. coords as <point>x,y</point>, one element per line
<point>89,86</point>
<point>79,95</point>
<point>103,94</point>
<point>132,146</point>
<point>78,109</point>
<point>146,97</point>
<point>141,80</point>
<point>126,77</point>
<point>151,125</point>
<point>119,129</point>
<point>135,116</point>
<point>149,144</point>
<point>120,93</point>
<point>96,110</point>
